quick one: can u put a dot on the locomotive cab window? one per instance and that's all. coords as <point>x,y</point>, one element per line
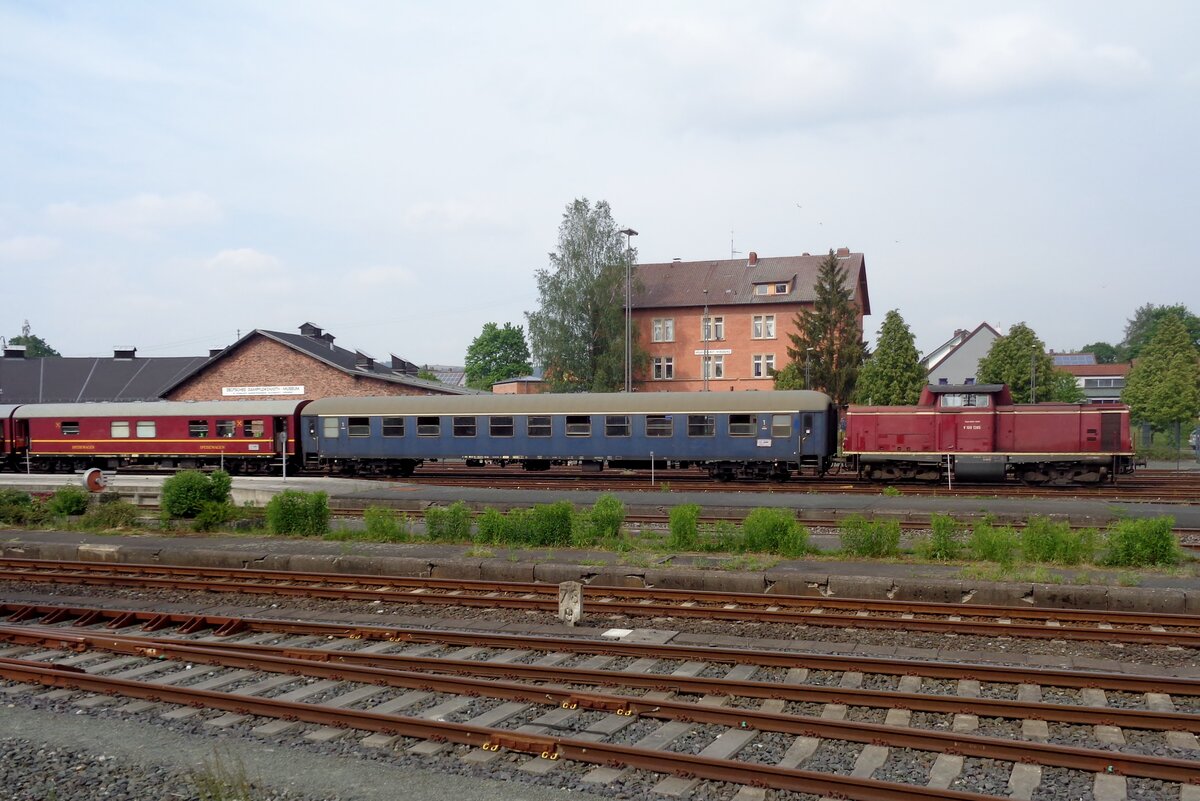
<point>70,429</point>
<point>393,426</point>
<point>956,400</point>
<point>226,428</point>
<point>119,429</point>
<point>743,425</point>
<point>252,428</point>
<point>146,429</point>
<point>579,425</point>
<point>702,425</point>
<point>329,427</point>
<point>358,426</point>
<point>500,426</point>
<point>659,425</point>
<point>616,425</point>
<point>197,429</point>
<point>781,425</point>
<point>429,426</point>
<point>538,426</point>
<point>464,426</point>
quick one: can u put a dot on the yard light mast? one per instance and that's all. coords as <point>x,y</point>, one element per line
<point>629,234</point>
<point>704,367</point>
<point>807,371</point>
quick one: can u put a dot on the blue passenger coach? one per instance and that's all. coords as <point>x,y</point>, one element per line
<point>731,435</point>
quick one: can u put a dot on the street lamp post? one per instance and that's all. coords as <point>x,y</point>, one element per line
<point>704,332</point>
<point>807,373</point>
<point>629,234</point>
<point>1033,376</point>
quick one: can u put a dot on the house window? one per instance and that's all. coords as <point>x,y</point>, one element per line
<point>1092,383</point>
<point>146,429</point>
<point>616,425</point>
<point>538,426</point>
<point>743,425</point>
<point>712,328</point>
<point>119,429</point>
<point>764,365</point>
<point>579,425</point>
<point>781,425</point>
<point>70,429</point>
<point>664,368</point>
<point>762,289</point>
<point>393,426</point>
<point>500,426</point>
<point>763,326</point>
<point>663,329</point>
<point>197,429</point>
<point>358,426</point>
<point>659,425</point>
<point>254,428</point>
<point>429,426</point>
<point>329,427</point>
<point>702,425</point>
<point>713,366</point>
<point>464,426</point>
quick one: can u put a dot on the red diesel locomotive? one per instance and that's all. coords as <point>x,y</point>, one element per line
<point>975,432</point>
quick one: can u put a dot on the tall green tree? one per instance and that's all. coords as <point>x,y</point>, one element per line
<point>828,343</point>
<point>34,345</point>
<point>1016,358</point>
<point>893,375</point>
<point>578,332</point>
<point>496,354</point>
<point>1140,329</point>
<point>1104,352</point>
<point>1164,385</point>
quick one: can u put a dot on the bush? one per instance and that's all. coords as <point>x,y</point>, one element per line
<point>774,531</point>
<point>295,512</point>
<point>607,517</point>
<point>942,543</point>
<point>994,543</point>
<point>448,523</point>
<point>1045,541</point>
<point>491,527</point>
<point>185,493</point>
<point>685,535</point>
<point>1142,543</point>
<point>384,525</point>
<point>723,536</point>
<point>115,514</point>
<point>550,524</point>
<point>213,515</point>
<point>15,506</point>
<point>69,501</point>
<point>870,538</point>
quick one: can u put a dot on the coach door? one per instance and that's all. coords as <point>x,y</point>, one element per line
<point>1110,432</point>
<point>279,425</point>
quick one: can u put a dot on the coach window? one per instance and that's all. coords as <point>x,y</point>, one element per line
<point>119,429</point>
<point>616,425</point>
<point>781,425</point>
<point>579,425</point>
<point>702,425</point>
<point>329,427</point>
<point>393,426</point>
<point>429,426</point>
<point>197,429</point>
<point>500,426</point>
<point>538,426</point>
<point>70,429</point>
<point>742,425</point>
<point>953,400</point>
<point>464,426</point>
<point>226,428</point>
<point>659,425</point>
<point>358,426</point>
<point>146,429</point>
<point>252,428</point>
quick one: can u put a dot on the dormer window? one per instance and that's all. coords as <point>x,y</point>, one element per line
<point>780,288</point>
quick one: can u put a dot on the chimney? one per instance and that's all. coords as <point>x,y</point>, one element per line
<point>214,352</point>
<point>310,330</point>
<point>806,253</point>
<point>675,260</point>
<point>327,338</point>
<point>752,260</point>
<point>843,253</point>
<point>14,352</point>
<point>362,361</point>
<point>124,353</point>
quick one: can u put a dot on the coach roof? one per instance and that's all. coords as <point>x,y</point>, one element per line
<point>231,409</point>
<point>577,403</point>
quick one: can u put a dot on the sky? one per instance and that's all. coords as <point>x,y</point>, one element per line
<point>174,174</point>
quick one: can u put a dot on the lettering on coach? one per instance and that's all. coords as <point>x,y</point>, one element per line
<point>245,391</point>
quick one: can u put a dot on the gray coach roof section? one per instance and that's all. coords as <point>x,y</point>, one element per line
<point>6,409</point>
<point>580,403</point>
<point>158,409</point>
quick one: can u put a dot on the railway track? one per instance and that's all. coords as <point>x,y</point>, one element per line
<point>954,619</point>
<point>761,719</point>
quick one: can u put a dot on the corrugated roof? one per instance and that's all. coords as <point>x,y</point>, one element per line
<point>730,281</point>
<point>66,379</point>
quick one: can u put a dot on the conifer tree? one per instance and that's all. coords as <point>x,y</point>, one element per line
<point>1016,358</point>
<point>1164,385</point>
<point>893,375</point>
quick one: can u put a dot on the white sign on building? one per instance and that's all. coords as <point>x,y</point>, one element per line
<point>243,392</point>
<point>714,352</point>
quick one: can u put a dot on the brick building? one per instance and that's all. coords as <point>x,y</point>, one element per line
<point>276,365</point>
<point>732,315</point>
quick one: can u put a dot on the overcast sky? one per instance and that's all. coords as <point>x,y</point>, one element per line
<point>395,172</point>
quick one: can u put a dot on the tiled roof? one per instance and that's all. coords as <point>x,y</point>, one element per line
<point>1095,370</point>
<point>55,379</point>
<point>730,281</point>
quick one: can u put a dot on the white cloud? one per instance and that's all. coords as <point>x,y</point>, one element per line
<point>138,215</point>
<point>245,263</point>
<point>28,248</point>
<point>381,277</point>
<point>449,215</point>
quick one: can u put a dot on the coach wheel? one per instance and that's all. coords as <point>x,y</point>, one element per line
<point>407,468</point>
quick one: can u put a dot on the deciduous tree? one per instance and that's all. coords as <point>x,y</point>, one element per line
<point>830,328</point>
<point>893,375</point>
<point>1104,352</point>
<point>578,332</point>
<point>1164,385</point>
<point>34,345</point>
<point>1145,322</point>
<point>1014,359</point>
<point>496,354</point>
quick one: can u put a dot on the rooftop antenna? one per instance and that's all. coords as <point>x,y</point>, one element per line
<point>732,253</point>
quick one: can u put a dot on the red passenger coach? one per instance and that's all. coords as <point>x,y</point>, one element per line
<point>975,432</point>
<point>9,445</point>
<point>242,436</point>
